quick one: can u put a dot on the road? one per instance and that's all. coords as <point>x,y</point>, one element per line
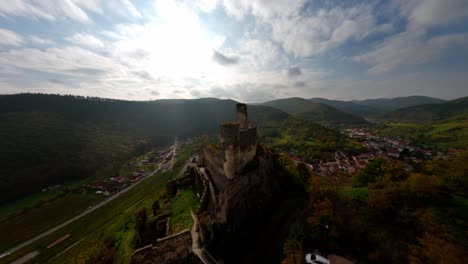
<point>108,200</point>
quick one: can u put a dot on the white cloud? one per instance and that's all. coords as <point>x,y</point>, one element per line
<point>327,29</point>
<point>307,35</point>
<point>263,9</point>
<point>10,38</point>
<point>71,9</point>
<point>42,41</point>
<point>65,60</point>
<point>85,40</point>
<point>23,8</point>
<point>413,46</point>
<point>261,55</point>
<point>425,13</point>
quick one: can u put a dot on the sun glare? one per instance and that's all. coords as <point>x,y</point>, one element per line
<point>177,45</point>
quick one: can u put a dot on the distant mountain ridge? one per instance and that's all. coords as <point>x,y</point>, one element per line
<point>349,107</point>
<point>376,107</point>
<point>315,112</point>
<point>391,104</point>
<point>430,112</point>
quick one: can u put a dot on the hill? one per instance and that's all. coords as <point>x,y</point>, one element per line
<point>315,112</point>
<point>391,104</point>
<point>51,139</point>
<point>430,112</point>
<point>349,107</point>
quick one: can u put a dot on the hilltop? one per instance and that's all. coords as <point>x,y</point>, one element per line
<point>391,104</point>
<point>430,112</point>
<point>348,107</point>
<point>316,112</point>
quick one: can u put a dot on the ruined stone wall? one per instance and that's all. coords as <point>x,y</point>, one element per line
<point>247,147</point>
<point>175,249</point>
<point>244,193</point>
<point>230,144</point>
<point>214,165</point>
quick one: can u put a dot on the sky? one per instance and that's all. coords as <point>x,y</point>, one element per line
<point>250,51</point>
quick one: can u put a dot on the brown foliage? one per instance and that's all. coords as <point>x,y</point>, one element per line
<point>293,252</point>
<point>436,250</point>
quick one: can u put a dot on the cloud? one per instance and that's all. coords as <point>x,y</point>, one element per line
<point>69,60</point>
<point>294,71</point>
<point>23,8</point>
<point>408,48</point>
<point>85,40</point>
<point>261,8</point>
<point>224,59</point>
<point>304,36</point>
<point>261,55</point>
<point>75,10</point>
<point>414,45</point>
<point>42,41</point>
<point>10,38</point>
<point>426,13</point>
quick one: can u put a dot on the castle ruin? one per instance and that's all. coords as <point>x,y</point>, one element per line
<point>239,142</point>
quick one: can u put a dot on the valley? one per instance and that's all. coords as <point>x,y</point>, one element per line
<point>328,171</point>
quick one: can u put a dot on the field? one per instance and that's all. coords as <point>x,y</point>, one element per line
<point>451,133</point>
<point>111,224</point>
<point>38,219</point>
<point>7,210</point>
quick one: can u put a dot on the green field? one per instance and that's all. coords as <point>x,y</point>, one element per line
<point>94,232</point>
<point>450,133</point>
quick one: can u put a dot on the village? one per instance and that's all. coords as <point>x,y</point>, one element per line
<point>157,160</point>
<point>132,172</point>
<point>376,147</point>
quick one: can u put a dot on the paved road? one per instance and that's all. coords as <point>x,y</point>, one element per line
<point>54,229</point>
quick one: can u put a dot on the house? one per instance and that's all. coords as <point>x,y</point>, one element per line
<point>394,153</point>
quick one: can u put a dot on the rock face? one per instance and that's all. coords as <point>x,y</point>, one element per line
<point>175,249</point>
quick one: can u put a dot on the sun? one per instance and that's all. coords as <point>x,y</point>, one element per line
<point>177,45</point>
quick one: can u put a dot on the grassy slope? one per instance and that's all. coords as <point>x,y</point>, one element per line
<point>445,134</point>
<point>93,232</point>
<point>121,229</point>
<point>181,218</point>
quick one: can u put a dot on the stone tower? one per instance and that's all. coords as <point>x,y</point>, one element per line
<point>241,115</point>
<point>239,143</point>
